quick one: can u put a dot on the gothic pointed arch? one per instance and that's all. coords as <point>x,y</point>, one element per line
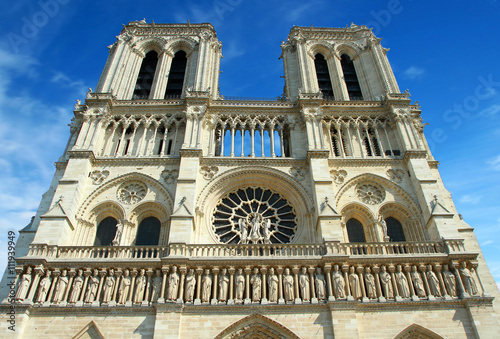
<point>256,326</point>
<point>91,330</point>
<point>417,331</point>
<point>148,44</point>
<point>185,44</point>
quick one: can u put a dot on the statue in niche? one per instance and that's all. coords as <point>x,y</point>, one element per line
<point>417,282</point>
<point>140,287</point>
<point>92,287</point>
<point>402,282</point>
<point>338,283</point>
<point>223,285</point>
<point>124,288</point>
<point>288,285</point>
<point>62,284</point>
<point>383,225</point>
<point>259,229</point>
<point>450,282</point>
<point>190,284</point>
<point>157,282</point>
<point>118,234</point>
<point>433,282</point>
<point>386,280</point>
<point>173,284</point>
<point>256,225</point>
<point>304,284</point>
<point>24,285</point>
<point>467,279</point>
<point>206,287</point>
<point>243,231</point>
<point>266,231</point>
<point>44,287</point>
<point>319,282</point>
<point>371,290</point>
<point>239,281</point>
<point>77,288</point>
<point>256,282</point>
<point>272,283</point>
<point>354,284</point>
<point>109,285</point>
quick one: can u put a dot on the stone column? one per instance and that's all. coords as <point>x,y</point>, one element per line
<point>133,274</point>
<point>97,300</point>
<point>248,270</point>
<point>311,270</point>
<point>86,274</point>
<point>71,274</point>
<point>230,300</point>
<point>215,286</point>
<point>264,301</point>
<point>279,270</point>
<point>407,269</point>
<point>345,270</point>
<point>295,271</point>
<point>391,270</point>
<point>118,275</point>
<point>376,270</point>
<point>149,274</point>
<point>180,293</point>
<point>460,286</point>
<point>161,299</point>
<point>360,270</point>
<point>438,268</point>
<point>327,269</point>
<point>38,273</point>
<point>199,272</point>
<point>56,275</point>
<point>422,268</point>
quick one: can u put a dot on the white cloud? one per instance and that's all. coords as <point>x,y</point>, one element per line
<point>471,199</point>
<point>495,162</point>
<point>414,72</point>
<point>64,80</point>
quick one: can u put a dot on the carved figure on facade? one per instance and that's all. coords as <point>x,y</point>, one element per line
<point>418,283</point>
<point>396,175</point>
<point>467,279</point>
<point>354,284</point>
<point>109,284</point>
<point>433,281</point>
<point>169,176</point>
<point>24,285</point>
<point>272,283</point>
<point>288,285</point>
<point>140,286</point>
<point>173,284</point>
<point>254,229</point>
<point>62,284</point>
<point>77,288</point>
<point>256,282</point>
<point>118,235</point>
<point>386,281</point>
<point>370,193</point>
<point>338,283</point>
<point>402,282</point>
<point>132,192</point>
<point>319,283</point>
<point>304,284</point>
<point>124,288</point>
<point>92,287</point>
<point>239,281</point>
<point>223,285</point>
<point>338,176</point>
<point>44,287</point>
<point>209,172</point>
<point>157,282</point>
<point>371,289</point>
<point>190,284</point>
<point>298,173</point>
<point>450,282</point>
<point>98,176</point>
<point>206,287</point>
<point>383,224</point>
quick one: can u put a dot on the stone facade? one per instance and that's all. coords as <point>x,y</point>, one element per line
<point>177,212</point>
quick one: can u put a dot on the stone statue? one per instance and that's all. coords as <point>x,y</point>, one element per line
<point>383,224</point>
<point>266,232</point>
<point>190,284</point>
<point>77,288</point>
<point>467,279</point>
<point>256,282</point>
<point>91,292</point>
<point>272,283</point>
<point>24,285</point>
<point>223,285</point>
<point>206,286</point>
<point>109,284</point>
<point>118,234</point>
<point>239,281</point>
<point>319,283</point>
<point>417,282</point>
<point>338,283</point>
<point>173,284</point>
<point>44,287</point>
<point>450,282</point>
<point>433,282</point>
<point>402,282</point>
<point>243,231</point>
<point>157,282</point>
<point>371,289</point>
<point>256,225</point>
<point>354,284</point>
<point>62,284</point>
<point>124,288</point>
<point>140,287</point>
<point>288,285</point>
<point>304,284</point>
<point>386,280</point>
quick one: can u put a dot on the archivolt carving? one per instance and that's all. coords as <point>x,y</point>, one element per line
<point>349,48</point>
<point>132,192</point>
<point>418,332</point>
<point>149,209</point>
<point>256,326</point>
<point>370,194</point>
<point>323,47</point>
<point>146,44</point>
<point>186,44</point>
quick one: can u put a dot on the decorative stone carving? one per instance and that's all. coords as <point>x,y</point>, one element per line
<point>304,284</point>
<point>319,283</point>
<point>173,284</point>
<point>272,283</point>
<point>256,282</point>
<point>169,176</point>
<point>140,286</point>
<point>223,285</point>
<point>338,283</point>
<point>396,175</point>
<point>44,287</point>
<point>190,284</point>
<point>417,282</point>
<point>354,284</point>
<point>370,193</point>
<point>157,281</point>
<point>132,192</point>
<point>206,287</point>
<point>433,280</point>
<point>24,285</point>
<point>288,285</point>
<point>402,283</point>
<point>338,176</point>
<point>109,285</point>
<point>98,176</point>
<point>92,287</point>
<point>298,173</point>
<point>467,279</point>
<point>371,290</point>
<point>62,284</point>
<point>77,288</point>
<point>124,287</point>
<point>209,172</point>
<point>386,281</point>
<point>239,281</point>
<point>450,282</point>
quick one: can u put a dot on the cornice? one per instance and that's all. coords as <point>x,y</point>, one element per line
<point>365,162</point>
<point>136,161</point>
<point>247,161</point>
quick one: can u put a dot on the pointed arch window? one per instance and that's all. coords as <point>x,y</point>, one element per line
<point>355,231</point>
<point>324,81</point>
<point>146,76</point>
<point>148,232</point>
<point>176,75</point>
<point>394,230</point>
<point>350,78</point>
<point>106,232</point>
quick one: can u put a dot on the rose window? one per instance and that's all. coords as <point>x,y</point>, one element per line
<point>254,216</point>
<point>132,192</point>
<point>370,194</point>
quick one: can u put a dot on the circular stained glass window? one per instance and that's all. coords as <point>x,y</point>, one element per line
<point>254,215</point>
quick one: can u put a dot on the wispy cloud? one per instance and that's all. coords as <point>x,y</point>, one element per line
<point>64,80</point>
<point>414,73</point>
<point>471,199</point>
<point>495,162</point>
<point>491,110</point>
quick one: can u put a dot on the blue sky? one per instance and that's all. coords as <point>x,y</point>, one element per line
<point>445,53</point>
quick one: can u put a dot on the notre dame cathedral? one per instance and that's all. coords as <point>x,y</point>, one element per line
<point>178,212</point>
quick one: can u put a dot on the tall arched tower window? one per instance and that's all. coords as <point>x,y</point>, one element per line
<point>176,75</point>
<point>395,230</point>
<point>106,232</point>
<point>148,232</point>
<point>324,81</point>
<point>351,79</point>
<point>355,231</point>
<point>146,76</point>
